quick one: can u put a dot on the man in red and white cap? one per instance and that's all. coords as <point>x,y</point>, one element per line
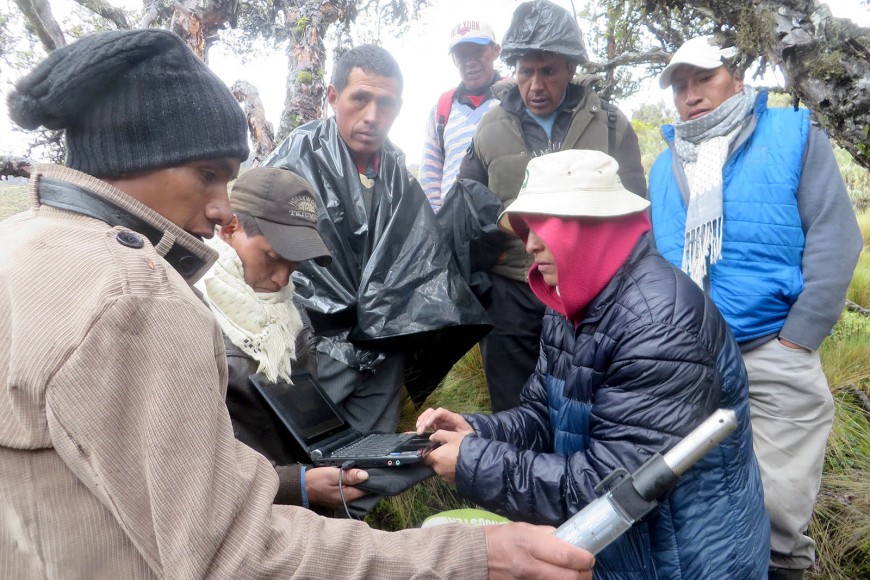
<point>454,118</point>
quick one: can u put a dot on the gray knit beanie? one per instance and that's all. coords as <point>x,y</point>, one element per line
<point>131,101</point>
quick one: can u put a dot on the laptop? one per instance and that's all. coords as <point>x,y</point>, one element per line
<point>322,433</point>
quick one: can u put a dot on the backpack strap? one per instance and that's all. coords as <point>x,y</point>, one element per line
<point>611,125</point>
<point>442,113</point>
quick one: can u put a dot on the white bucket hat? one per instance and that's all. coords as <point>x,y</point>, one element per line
<point>573,183</point>
<point>701,52</point>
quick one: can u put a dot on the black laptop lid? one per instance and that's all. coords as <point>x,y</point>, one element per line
<point>304,408</point>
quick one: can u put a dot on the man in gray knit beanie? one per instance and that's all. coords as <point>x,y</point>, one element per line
<point>117,455</point>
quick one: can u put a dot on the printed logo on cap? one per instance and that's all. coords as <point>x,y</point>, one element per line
<point>463,28</point>
<point>303,207</point>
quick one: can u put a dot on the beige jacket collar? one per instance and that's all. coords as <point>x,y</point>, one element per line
<point>186,253</point>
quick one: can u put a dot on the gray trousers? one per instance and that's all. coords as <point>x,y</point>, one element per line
<point>792,411</point>
<point>371,401</point>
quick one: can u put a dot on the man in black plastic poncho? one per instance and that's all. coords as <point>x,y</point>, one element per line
<point>392,305</point>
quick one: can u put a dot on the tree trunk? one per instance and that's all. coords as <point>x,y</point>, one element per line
<point>153,9</point>
<point>261,130</point>
<point>199,21</point>
<point>38,14</point>
<point>307,23</point>
<point>826,60</point>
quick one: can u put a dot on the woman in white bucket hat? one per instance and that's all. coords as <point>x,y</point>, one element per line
<point>633,357</point>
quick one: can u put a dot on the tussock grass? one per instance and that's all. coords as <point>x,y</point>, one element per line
<point>463,390</point>
<point>859,290</point>
<point>841,527</point>
<point>841,519</point>
<point>409,509</point>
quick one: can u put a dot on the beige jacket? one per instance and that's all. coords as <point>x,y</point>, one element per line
<point>117,457</point>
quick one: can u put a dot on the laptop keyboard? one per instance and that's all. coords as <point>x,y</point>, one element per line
<point>374,445</point>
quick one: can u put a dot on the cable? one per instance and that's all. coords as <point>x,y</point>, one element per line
<point>344,467</point>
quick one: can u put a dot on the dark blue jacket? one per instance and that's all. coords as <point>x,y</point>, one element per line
<point>651,360</point>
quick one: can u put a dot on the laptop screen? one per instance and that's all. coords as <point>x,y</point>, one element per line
<point>305,406</point>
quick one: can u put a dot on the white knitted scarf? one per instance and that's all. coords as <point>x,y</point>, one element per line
<point>702,147</point>
<point>264,325</point>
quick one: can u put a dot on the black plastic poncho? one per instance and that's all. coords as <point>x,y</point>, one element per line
<point>393,285</point>
<point>468,221</point>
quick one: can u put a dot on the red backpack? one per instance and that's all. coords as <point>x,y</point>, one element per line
<point>442,113</point>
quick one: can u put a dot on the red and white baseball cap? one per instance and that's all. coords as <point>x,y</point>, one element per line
<point>471,31</point>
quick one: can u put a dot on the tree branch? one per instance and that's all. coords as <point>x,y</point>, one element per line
<point>651,56</point>
<point>153,9</point>
<point>115,15</point>
<point>198,21</point>
<point>39,16</point>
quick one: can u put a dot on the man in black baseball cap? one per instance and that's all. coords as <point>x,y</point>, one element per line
<point>283,208</point>
<point>265,330</point>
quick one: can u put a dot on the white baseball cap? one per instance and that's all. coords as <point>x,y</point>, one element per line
<point>701,52</point>
<point>471,31</point>
<point>573,183</point>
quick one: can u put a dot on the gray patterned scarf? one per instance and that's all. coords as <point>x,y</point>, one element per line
<point>702,147</point>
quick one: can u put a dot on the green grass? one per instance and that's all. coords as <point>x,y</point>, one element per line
<point>859,291</point>
<point>841,521</point>
<point>864,224</point>
<point>13,199</point>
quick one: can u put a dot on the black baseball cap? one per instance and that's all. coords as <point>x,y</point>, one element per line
<point>285,209</point>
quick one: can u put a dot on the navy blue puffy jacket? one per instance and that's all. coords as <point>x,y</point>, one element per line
<point>651,360</point>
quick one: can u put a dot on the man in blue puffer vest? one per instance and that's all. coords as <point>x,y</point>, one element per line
<point>750,203</point>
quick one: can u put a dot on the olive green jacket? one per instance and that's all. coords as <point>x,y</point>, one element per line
<point>500,146</point>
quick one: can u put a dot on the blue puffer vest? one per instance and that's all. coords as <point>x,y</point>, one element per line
<point>651,359</point>
<point>758,277</point>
